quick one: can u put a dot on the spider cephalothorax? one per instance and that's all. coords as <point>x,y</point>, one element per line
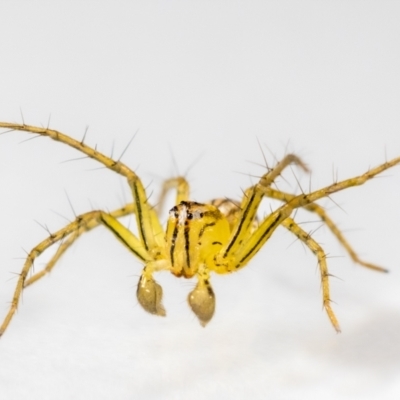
<point>220,237</point>
<point>195,234</point>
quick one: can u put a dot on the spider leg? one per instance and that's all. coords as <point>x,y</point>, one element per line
<point>249,206</point>
<point>149,227</point>
<point>315,208</point>
<point>319,252</point>
<point>180,184</point>
<point>69,240</point>
<point>121,232</point>
<point>248,249</point>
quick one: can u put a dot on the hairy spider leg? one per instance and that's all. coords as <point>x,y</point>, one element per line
<point>120,231</point>
<point>241,251</point>
<point>321,256</point>
<point>291,225</point>
<point>67,241</point>
<point>315,208</point>
<point>147,221</point>
<point>252,198</point>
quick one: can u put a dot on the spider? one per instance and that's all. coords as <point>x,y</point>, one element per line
<point>221,236</point>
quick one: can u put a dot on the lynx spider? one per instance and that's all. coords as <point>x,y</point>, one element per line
<point>221,236</point>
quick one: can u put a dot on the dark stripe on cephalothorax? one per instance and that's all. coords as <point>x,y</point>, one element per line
<point>139,215</point>
<point>116,233</point>
<point>204,228</point>
<point>242,219</point>
<point>173,241</point>
<point>272,226</point>
<point>187,242</point>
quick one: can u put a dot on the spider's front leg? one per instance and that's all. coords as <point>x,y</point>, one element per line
<point>83,225</point>
<point>70,233</point>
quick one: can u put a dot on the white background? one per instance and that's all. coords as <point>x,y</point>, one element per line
<point>202,82</point>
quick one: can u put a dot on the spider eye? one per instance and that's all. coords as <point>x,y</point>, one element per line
<point>189,216</point>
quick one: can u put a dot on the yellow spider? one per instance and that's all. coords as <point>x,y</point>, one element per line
<point>221,237</point>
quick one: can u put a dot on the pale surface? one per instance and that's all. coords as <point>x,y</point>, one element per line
<point>201,80</point>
